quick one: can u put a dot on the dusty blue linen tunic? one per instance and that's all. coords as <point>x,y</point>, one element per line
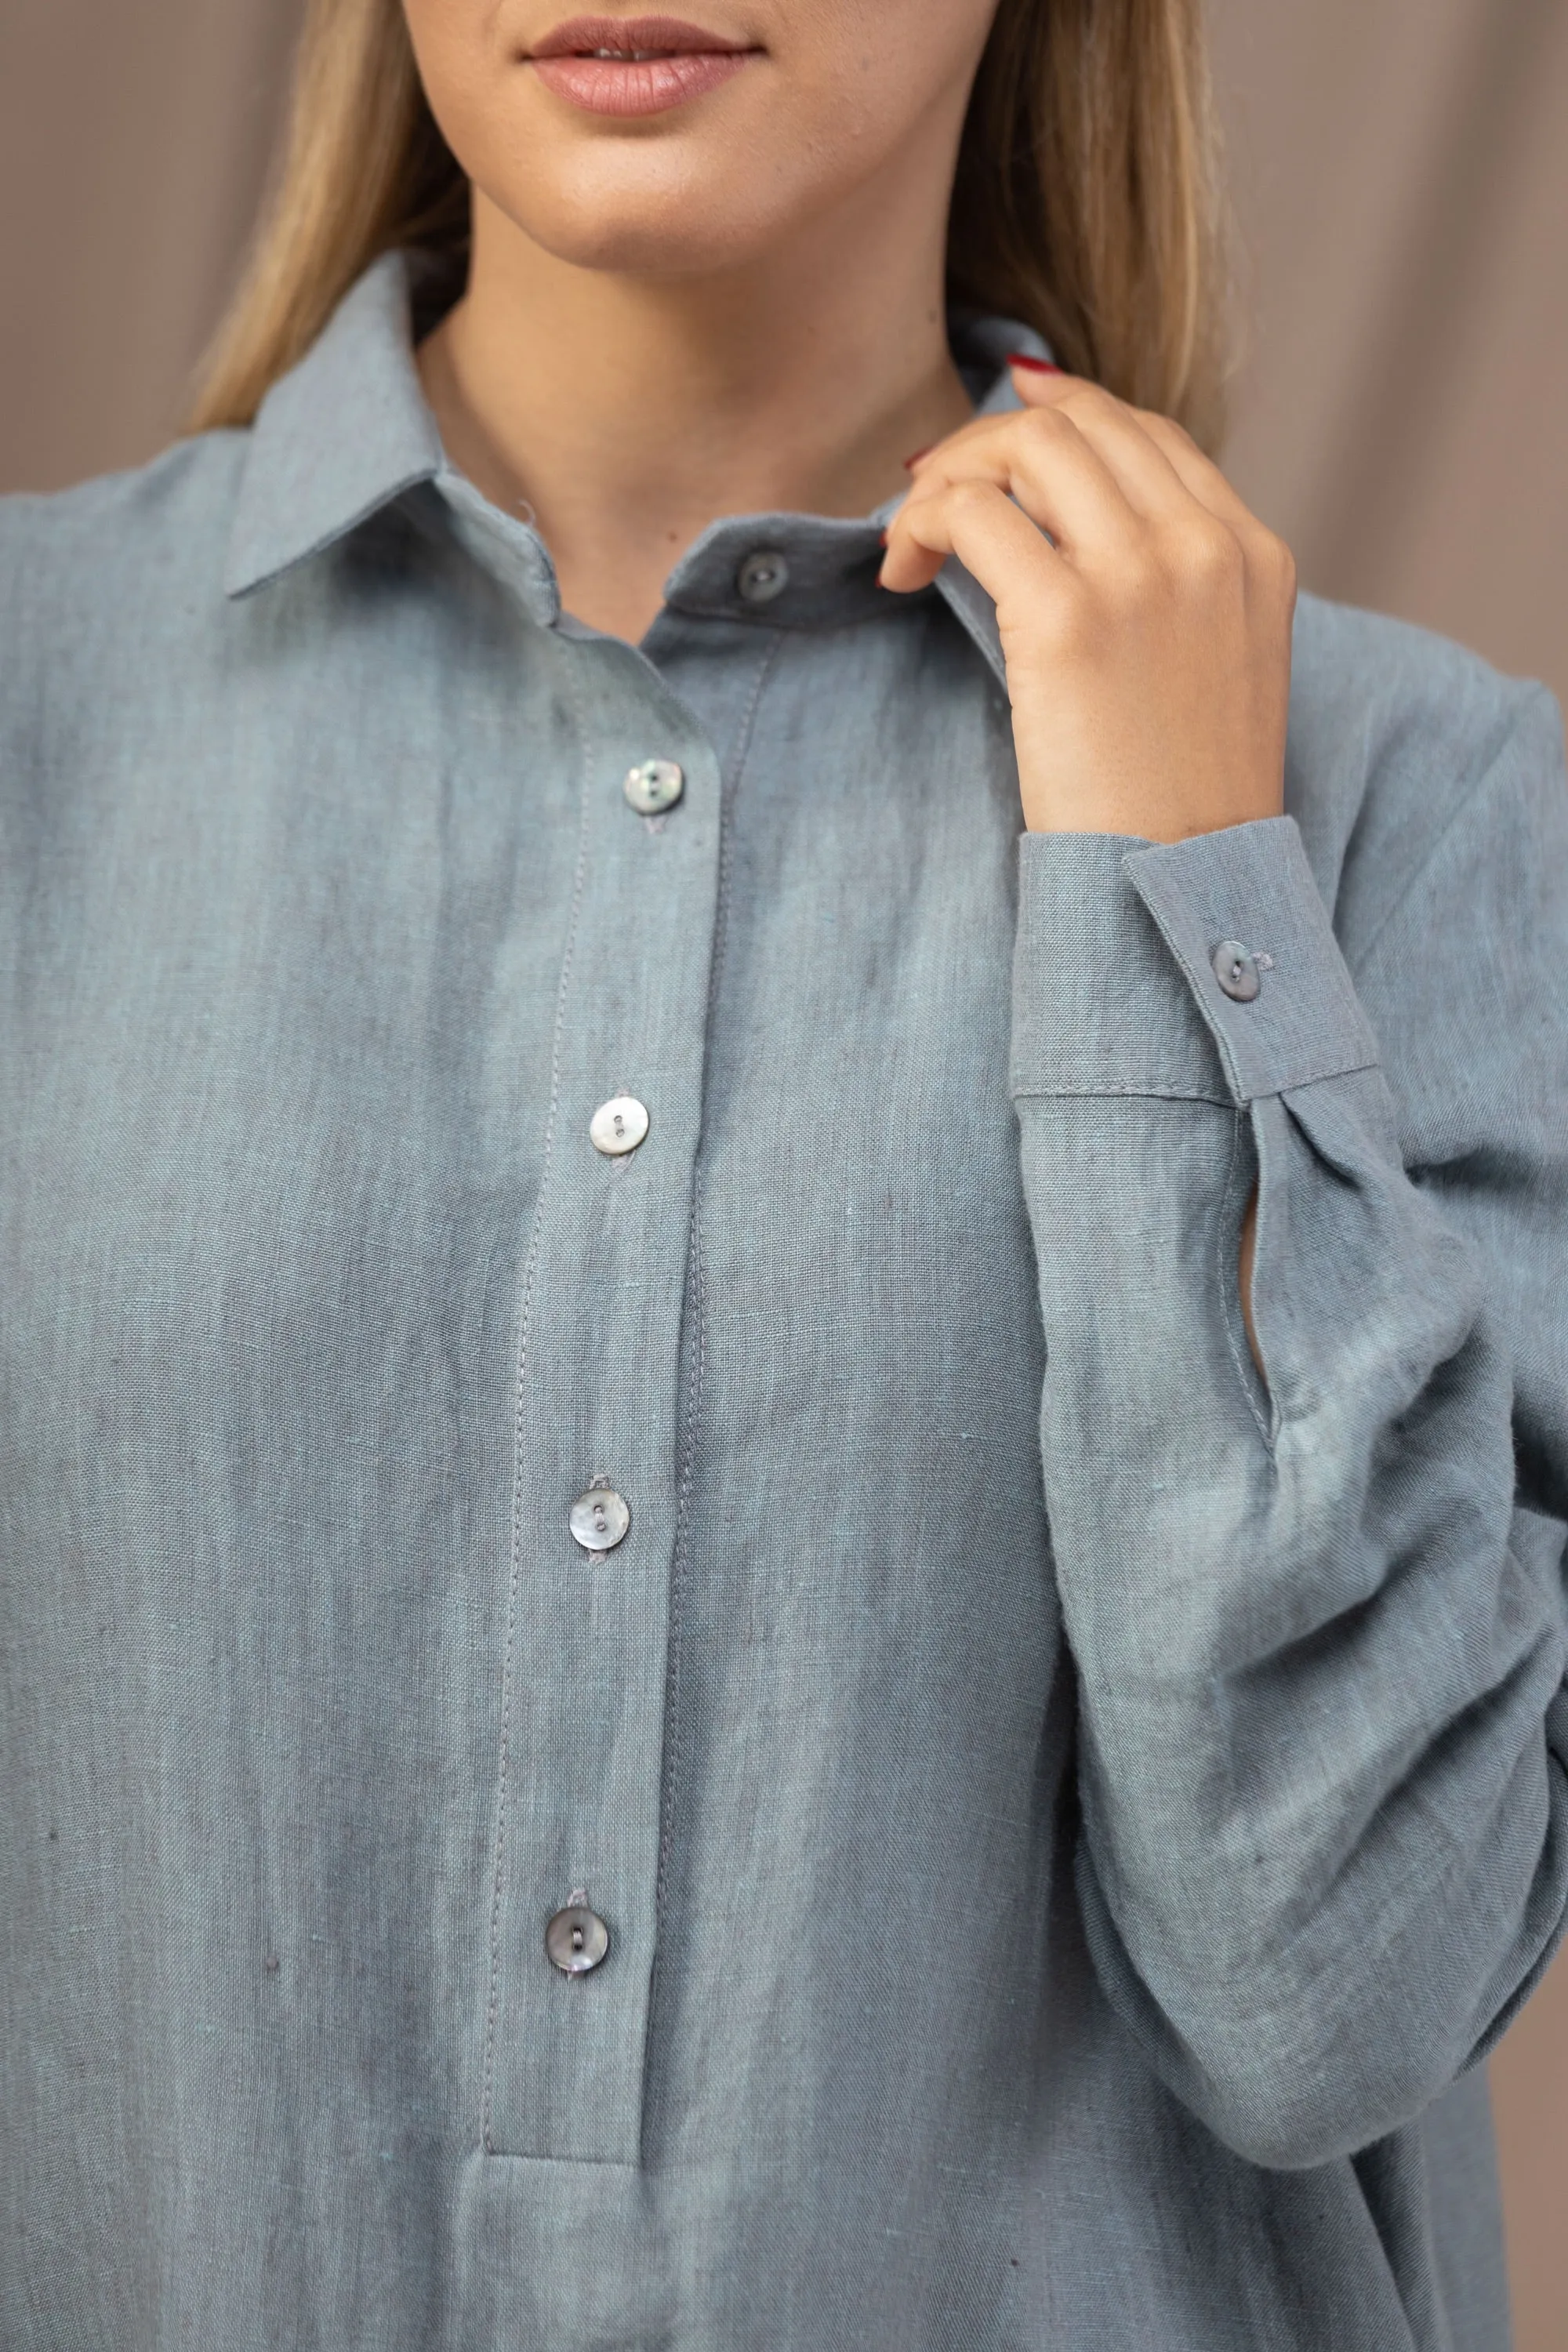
<point>1067,1815</point>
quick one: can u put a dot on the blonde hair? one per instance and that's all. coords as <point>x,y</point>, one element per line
<point>1086,203</point>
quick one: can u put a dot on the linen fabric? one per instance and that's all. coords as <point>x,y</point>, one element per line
<point>1068,1812</point>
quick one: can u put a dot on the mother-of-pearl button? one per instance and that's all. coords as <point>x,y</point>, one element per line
<point>618,1125</point>
<point>1236,970</point>
<point>654,786</point>
<point>600,1520</point>
<point>576,1939</point>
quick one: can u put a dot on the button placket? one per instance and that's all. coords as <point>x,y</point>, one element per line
<point>599,1392</point>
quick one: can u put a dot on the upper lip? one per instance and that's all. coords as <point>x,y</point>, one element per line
<point>645,36</point>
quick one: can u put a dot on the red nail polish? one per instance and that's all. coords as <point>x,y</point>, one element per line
<point>909,462</point>
<point>1036,367</point>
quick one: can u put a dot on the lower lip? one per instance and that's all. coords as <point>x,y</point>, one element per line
<point>626,86</point>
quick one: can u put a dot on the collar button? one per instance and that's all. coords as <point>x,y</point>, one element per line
<point>763,577</point>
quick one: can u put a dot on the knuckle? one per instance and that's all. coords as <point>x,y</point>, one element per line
<point>1270,567</point>
<point>1049,424</point>
<point>1277,564</point>
<point>1167,431</point>
<point>1207,554</point>
<point>969,497</point>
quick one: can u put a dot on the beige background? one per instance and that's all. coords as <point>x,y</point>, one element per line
<point>1401,181</point>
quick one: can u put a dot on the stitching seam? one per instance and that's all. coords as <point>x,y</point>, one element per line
<point>524,1316</point>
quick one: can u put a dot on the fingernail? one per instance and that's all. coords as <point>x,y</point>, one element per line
<point>910,462</point>
<point>1036,367</point>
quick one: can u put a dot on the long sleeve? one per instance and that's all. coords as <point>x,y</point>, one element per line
<point>1318,1622</point>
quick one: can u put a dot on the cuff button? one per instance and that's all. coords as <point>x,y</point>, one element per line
<point>1235,970</point>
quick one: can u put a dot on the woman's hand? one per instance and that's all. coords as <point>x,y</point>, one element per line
<point>1147,638</point>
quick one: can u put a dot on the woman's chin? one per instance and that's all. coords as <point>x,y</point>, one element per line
<point>635,227</point>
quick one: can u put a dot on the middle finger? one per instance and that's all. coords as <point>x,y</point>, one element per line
<point>1042,459</point>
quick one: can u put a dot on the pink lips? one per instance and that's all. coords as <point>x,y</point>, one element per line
<point>633,65</point>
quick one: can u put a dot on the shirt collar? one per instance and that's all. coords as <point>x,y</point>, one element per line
<point>348,431</point>
<point>338,438</point>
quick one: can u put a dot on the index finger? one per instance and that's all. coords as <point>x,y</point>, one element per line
<point>1039,386</point>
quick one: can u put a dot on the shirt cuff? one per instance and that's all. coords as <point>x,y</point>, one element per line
<point>1205,968</point>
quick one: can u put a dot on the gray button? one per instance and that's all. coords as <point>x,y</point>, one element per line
<point>654,787</point>
<point>1235,970</point>
<point>599,1519</point>
<point>576,1939</point>
<point>619,1126</point>
<point>763,577</point>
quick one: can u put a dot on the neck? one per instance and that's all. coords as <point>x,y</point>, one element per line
<point>629,413</point>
